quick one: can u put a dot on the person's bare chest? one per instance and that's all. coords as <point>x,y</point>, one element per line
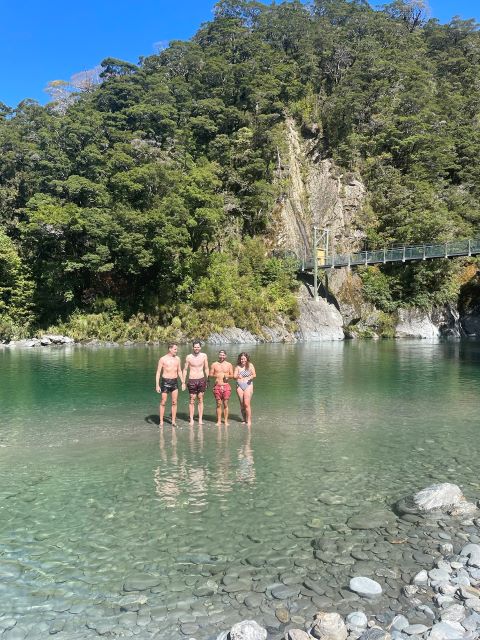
<point>196,365</point>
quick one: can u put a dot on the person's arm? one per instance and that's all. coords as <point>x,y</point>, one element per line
<point>253,373</point>
<point>179,369</point>
<point>212,373</point>
<point>229,374</point>
<point>235,373</point>
<point>183,375</point>
<point>205,367</point>
<point>157,376</point>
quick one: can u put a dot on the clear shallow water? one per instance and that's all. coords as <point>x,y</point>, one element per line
<point>106,519</point>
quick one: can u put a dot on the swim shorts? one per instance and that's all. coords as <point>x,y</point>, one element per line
<point>196,386</point>
<point>222,391</point>
<point>168,385</point>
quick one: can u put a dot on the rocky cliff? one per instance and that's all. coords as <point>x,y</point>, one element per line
<point>318,193</point>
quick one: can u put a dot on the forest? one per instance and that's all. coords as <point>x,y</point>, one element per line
<point>139,206</point>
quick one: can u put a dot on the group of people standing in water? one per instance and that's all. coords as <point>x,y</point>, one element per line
<point>195,375</point>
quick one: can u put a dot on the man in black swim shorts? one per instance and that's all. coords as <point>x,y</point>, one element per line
<point>167,385</point>
<point>168,371</point>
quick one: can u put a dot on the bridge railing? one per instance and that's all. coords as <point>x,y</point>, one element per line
<point>396,254</point>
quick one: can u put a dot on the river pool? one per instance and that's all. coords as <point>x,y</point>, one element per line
<point>111,526</point>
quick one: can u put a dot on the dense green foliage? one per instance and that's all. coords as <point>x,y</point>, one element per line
<point>127,211</point>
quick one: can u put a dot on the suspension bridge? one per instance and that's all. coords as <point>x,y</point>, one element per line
<point>330,260</point>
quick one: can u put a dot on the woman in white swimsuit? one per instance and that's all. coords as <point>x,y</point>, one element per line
<point>244,375</point>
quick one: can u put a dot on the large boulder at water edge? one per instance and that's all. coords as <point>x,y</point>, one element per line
<point>329,626</point>
<point>247,630</point>
<point>443,498</point>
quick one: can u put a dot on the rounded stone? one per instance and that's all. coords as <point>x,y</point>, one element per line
<point>400,622</point>
<point>253,600</point>
<point>141,582</point>
<point>297,634</point>
<point>283,615</point>
<point>415,629</point>
<point>329,626</point>
<point>356,620</point>
<point>373,520</point>
<point>188,629</point>
<point>421,578</point>
<point>283,592</point>
<point>248,630</point>
<point>365,587</point>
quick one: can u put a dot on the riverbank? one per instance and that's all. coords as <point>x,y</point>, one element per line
<point>323,320</point>
<point>440,601</point>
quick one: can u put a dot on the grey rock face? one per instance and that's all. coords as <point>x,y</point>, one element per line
<point>319,321</point>
<point>365,587</point>
<point>415,323</point>
<point>233,335</point>
<point>247,630</point>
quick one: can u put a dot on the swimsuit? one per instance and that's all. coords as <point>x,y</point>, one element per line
<point>243,373</point>
<point>222,391</point>
<point>168,385</point>
<point>196,386</point>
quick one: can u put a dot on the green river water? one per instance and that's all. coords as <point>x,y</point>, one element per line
<point>111,526</point>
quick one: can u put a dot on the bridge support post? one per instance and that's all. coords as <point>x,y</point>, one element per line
<point>469,248</point>
<point>315,265</point>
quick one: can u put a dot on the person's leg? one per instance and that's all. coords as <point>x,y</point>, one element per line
<point>163,402</point>
<point>247,397</point>
<point>225,411</point>
<point>219,412</point>
<point>200,408</point>
<point>240,393</point>
<point>174,407</point>
<point>191,408</point>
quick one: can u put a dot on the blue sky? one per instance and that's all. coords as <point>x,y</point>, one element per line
<point>51,40</point>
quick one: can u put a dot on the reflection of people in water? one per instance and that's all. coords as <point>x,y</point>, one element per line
<point>246,463</point>
<point>178,480</point>
<point>184,475</point>
<point>222,371</point>
<point>244,375</point>
<point>167,487</point>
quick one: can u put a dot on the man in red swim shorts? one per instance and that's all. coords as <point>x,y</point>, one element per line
<point>196,365</point>
<point>222,371</point>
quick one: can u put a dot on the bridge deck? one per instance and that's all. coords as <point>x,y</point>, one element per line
<point>401,254</point>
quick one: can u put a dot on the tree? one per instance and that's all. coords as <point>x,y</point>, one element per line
<point>413,13</point>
